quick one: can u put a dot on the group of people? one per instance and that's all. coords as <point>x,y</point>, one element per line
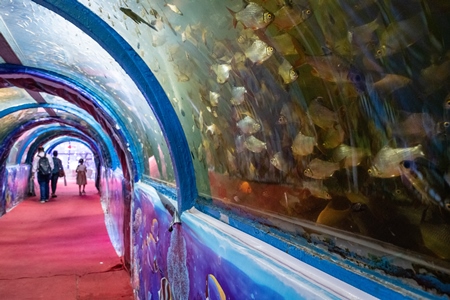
<point>50,169</point>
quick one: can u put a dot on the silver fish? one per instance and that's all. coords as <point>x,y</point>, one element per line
<point>287,72</point>
<point>248,125</point>
<point>391,83</point>
<point>238,95</point>
<point>279,162</point>
<point>259,52</point>
<point>303,144</point>
<point>222,72</point>
<point>289,16</point>
<point>402,34</point>
<point>321,169</point>
<point>321,115</point>
<point>214,98</point>
<point>316,188</point>
<point>386,163</point>
<point>351,156</point>
<point>252,16</point>
<point>254,145</point>
<point>174,8</point>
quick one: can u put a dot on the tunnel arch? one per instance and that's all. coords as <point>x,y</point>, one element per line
<point>94,130</point>
<point>146,82</point>
<point>70,135</point>
<point>55,84</point>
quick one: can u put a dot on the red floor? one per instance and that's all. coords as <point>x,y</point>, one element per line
<point>60,250</point>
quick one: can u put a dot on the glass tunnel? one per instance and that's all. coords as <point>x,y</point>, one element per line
<point>244,150</point>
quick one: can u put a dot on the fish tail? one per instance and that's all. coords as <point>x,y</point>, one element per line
<point>233,14</point>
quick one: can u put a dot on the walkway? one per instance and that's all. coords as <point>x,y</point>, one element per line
<point>60,250</point>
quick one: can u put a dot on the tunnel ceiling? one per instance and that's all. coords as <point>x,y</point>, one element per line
<point>40,38</point>
<point>305,109</point>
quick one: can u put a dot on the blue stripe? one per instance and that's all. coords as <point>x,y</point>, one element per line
<point>146,82</point>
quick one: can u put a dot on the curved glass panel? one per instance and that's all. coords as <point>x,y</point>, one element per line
<point>42,39</point>
<point>331,112</point>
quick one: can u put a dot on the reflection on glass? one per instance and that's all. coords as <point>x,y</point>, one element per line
<point>334,112</point>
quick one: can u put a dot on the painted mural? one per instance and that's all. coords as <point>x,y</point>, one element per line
<point>112,201</point>
<point>15,187</point>
<point>198,260</point>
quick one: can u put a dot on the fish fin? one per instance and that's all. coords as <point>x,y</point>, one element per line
<point>150,25</point>
<point>233,14</point>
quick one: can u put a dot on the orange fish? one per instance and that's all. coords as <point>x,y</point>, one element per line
<point>245,187</point>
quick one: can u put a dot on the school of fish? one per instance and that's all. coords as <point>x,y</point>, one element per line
<point>321,108</point>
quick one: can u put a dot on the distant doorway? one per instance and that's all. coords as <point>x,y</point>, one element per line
<point>71,152</point>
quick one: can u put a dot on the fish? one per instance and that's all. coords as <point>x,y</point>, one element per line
<point>386,163</point>
<point>248,125</point>
<point>136,18</point>
<point>332,215</point>
<point>279,162</point>
<point>174,8</point>
<point>357,197</point>
<point>321,115</point>
<point>436,238</point>
<point>333,136</point>
<point>212,129</point>
<point>416,125</point>
<point>316,188</point>
<point>390,83</point>
<point>253,16</point>
<point>303,144</point>
<point>426,180</point>
<point>186,35</point>
<point>435,76</point>
<point>349,156</point>
<point>286,45</point>
<point>330,68</point>
<point>222,72</point>
<point>288,16</point>
<point>289,202</point>
<point>254,145</point>
<point>447,102</point>
<point>363,35</point>
<point>238,95</point>
<point>259,52</point>
<point>401,34</point>
<point>245,187</point>
<point>158,40</point>
<point>214,98</point>
<point>321,169</point>
<point>287,72</point>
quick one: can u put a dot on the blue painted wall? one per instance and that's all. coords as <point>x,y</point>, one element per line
<point>14,187</point>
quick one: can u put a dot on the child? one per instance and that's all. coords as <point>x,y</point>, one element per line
<point>81,176</point>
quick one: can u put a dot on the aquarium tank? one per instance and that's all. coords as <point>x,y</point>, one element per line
<point>316,117</point>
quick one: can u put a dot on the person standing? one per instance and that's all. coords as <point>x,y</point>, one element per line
<point>43,166</point>
<point>57,169</point>
<point>81,176</point>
